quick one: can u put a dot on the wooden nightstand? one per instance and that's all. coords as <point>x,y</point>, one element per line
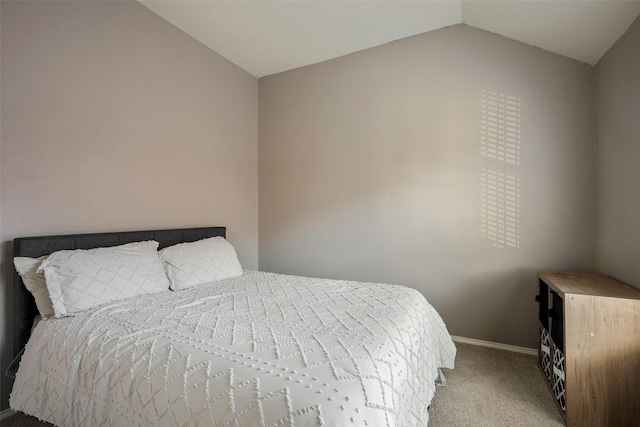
<point>590,348</point>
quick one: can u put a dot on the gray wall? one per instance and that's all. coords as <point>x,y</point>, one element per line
<point>391,165</point>
<point>112,119</point>
<point>617,78</point>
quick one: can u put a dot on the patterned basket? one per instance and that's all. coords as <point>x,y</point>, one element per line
<point>558,377</point>
<point>545,353</point>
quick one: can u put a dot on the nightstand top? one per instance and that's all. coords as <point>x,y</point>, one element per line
<point>587,284</point>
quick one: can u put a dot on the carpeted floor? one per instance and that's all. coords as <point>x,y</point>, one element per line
<point>494,388</point>
<point>488,387</point>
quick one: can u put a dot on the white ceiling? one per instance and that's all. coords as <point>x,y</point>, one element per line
<point>268,37</point>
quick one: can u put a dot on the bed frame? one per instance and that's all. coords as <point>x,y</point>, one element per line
<point>25,309</point>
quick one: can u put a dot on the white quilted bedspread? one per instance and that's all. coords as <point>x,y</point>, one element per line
<point>262,349</point>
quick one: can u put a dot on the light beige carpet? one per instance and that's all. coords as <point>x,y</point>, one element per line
<point>488,387</point>
<point>493,388</point>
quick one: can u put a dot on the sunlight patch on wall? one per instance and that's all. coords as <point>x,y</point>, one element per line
<point>500,127</point>
<point>499,180</point>
<point>500,207</point>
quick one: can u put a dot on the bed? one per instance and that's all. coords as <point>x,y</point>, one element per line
<point>259,349</point>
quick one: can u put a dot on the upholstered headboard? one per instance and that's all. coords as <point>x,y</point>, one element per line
<point>24,305</point>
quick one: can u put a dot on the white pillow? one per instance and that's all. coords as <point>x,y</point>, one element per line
<point>35,283</point>
<point>204,261</point>
<point>80,279</point>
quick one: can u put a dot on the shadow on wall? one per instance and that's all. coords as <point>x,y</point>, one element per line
<point>499,179</point>
<point>415,179</point>
<point>412,193</point>
<point>495,304</point>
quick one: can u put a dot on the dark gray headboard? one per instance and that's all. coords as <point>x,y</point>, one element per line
<point>24,305</point>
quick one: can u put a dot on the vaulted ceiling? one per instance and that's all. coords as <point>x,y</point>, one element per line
<point>268,37</point>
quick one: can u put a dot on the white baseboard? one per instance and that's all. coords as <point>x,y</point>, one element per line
<point>7,413</point>
<point>498,346</point>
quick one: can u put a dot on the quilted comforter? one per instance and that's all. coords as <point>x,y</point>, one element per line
<point>262,349</point>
